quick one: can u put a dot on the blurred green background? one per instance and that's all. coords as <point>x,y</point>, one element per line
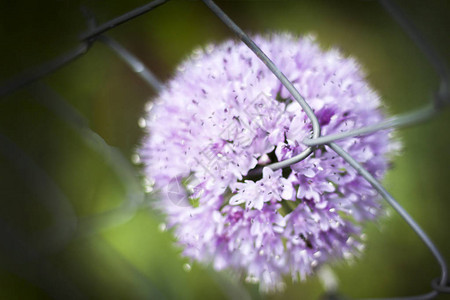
<point>44,160</point>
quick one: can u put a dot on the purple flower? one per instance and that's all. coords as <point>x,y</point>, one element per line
<point>225,114</point>
<point>271,188</point>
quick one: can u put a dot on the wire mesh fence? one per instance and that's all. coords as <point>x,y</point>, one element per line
<point>66,226</point>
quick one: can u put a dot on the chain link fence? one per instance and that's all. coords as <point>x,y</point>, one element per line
<point>66,226</point>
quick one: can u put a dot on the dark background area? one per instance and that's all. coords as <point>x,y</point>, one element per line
<point>57,180</point>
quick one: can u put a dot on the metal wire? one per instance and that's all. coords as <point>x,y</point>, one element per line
<point>133,62</point>
<point>400,210</point>
<point>38,72</point>
<point>92,34</point>
<point>404,120</point>
<point>86,40</point>
<point>283,79</point>
<point>407,119</point>
<point>135,196</point>
<point>134,199</point>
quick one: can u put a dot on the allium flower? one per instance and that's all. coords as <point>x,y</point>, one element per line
<point>223,114</point>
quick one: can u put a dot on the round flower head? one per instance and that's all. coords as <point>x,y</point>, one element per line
<point>224,116</point>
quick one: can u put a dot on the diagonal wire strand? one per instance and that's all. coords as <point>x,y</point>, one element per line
<point>407,119</point>
<point>112,155</point>
<point>42,70</point>
<point>133,62</point>
<point>441,98</point>
<point>400,210</point>
<point>283,79</point>
<point>92,34</point>
<point>35,73</point>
